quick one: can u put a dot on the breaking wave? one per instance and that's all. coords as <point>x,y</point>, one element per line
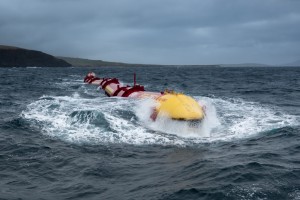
<point>102,120</point>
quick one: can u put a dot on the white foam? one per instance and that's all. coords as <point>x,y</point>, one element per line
<point>179,128</point>
<point>103,120</point>
<point>32,67</point>
<point>225,120</point>
<point>55,116</point>
<point>240,119</point>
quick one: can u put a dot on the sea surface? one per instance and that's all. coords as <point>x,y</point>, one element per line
<point>63,139</point>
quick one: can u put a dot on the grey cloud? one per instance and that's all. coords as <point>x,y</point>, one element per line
<point>167,32</point>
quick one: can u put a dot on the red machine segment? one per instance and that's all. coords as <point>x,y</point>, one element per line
<point>113,87</point>
<point>109,81</point>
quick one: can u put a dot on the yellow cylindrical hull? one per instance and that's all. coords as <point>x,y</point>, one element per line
<point>179,107</point>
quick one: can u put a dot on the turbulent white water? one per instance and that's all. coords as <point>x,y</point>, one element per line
<point>101,120</point>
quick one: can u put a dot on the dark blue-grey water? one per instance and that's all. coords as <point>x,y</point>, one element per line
<point>62,139</point>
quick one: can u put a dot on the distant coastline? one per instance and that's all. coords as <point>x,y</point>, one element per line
<point>81,62</point>
<point>11,56</point>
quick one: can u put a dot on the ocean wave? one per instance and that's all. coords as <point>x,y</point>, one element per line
<point>115,120</point>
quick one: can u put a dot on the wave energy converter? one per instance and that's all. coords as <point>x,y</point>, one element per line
<point>169,104</point>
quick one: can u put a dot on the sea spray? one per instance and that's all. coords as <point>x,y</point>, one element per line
<point>103,120</point>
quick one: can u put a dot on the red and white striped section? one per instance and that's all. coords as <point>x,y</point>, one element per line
<point>113,87</point>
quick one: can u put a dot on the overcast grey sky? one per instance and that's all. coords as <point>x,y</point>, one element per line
<point>156,31</point>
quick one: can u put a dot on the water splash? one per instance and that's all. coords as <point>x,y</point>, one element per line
<point>180,128</point>
<point>101,120</point>
<point>241,119</point>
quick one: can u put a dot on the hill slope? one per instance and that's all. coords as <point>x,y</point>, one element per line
<point>18,57</point>
<point>81,62</point>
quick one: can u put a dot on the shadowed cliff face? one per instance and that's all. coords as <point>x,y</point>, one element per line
<point>17,57</point>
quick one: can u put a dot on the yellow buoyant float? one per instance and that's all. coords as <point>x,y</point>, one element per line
<point>179,107</point>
